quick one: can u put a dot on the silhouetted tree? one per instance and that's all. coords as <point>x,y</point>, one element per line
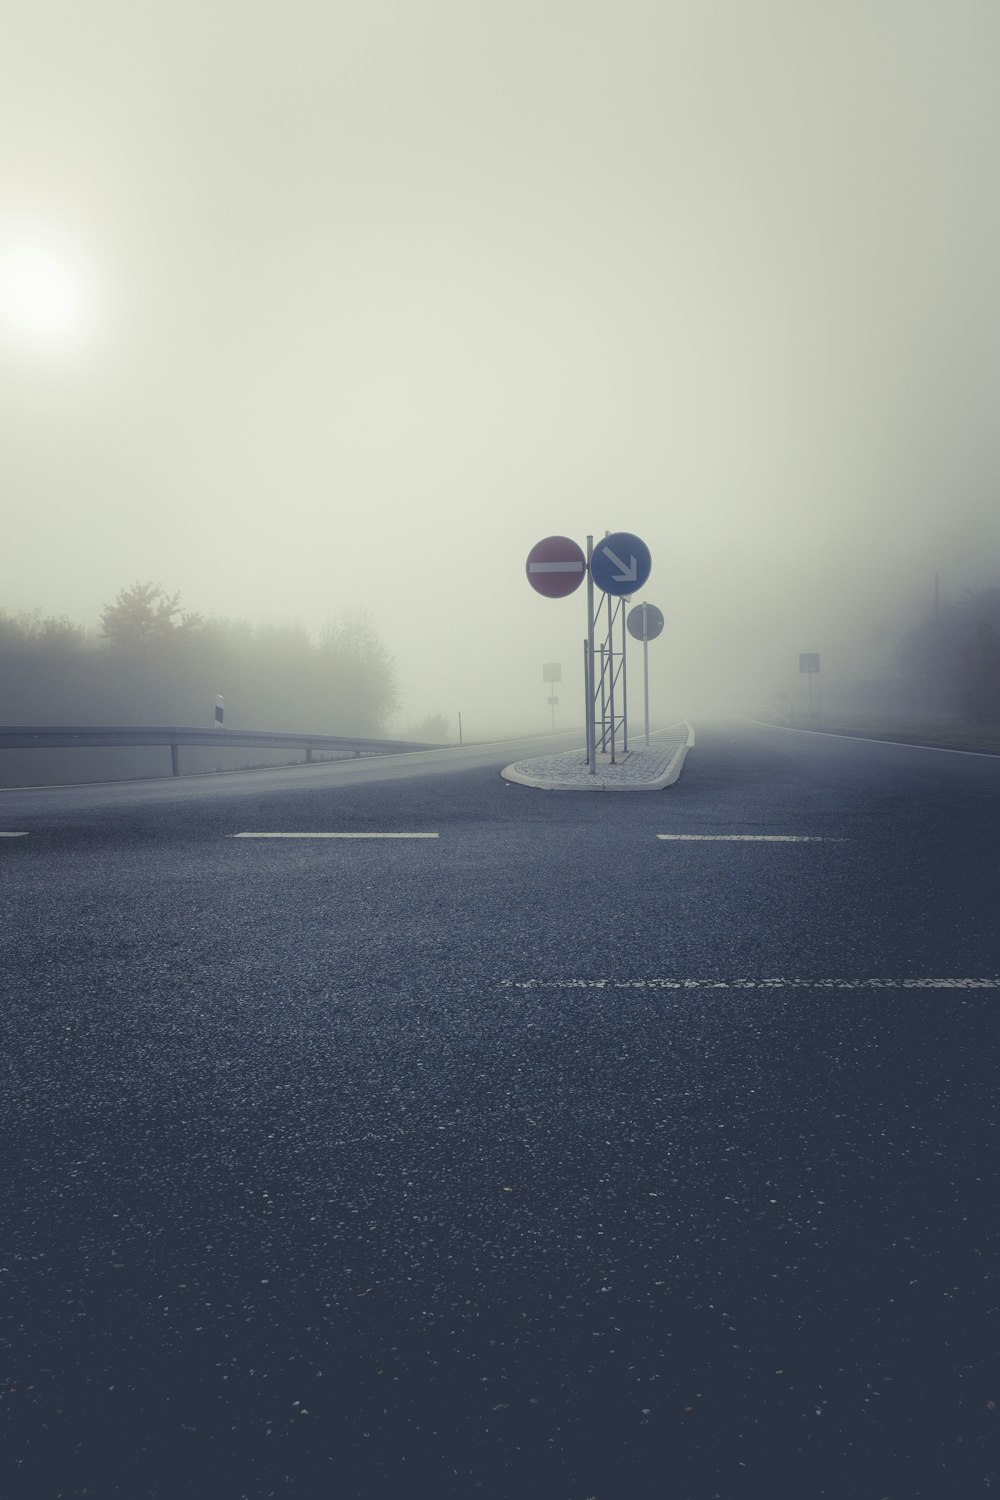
<point>978,695</point>
<point>433,730</point>
<point>29,629</point>
<point>143,615</point>
<point>155,663</point>
<point>952,655</point>
<point>356,670</point>
<point>57,633</point>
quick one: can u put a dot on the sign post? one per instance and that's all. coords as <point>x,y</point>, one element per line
<point>645,623</point>
<point>552,672</point>
<point>809,662</point>
<point>618,566</point>
<point>589,718</point>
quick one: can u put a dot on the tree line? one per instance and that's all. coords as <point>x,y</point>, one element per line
<point>153,662</point>
<point>952,656</point>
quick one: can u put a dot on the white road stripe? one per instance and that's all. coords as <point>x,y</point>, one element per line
<point>867,739</point>
<point>13,835</point>
<point>335,835</point>
<point>751,984</point>
<point>748,838</point>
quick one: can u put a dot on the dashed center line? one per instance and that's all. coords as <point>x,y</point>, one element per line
<point>13,835</point>
<point>335,835</point>
<point>749,838</point>
<point>992,983</point>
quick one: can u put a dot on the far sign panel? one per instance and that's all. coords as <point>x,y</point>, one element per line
<point>556,566</point>
<point>644,622</point>
<point>808,661</point>
<point>621,563</point>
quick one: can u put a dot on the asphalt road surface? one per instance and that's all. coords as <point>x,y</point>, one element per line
<point>542,1157</point>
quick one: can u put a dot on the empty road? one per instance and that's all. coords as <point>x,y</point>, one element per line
<point>568,1146</point>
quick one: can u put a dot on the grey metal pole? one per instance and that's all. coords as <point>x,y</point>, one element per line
<point>588,726</point>
<point>624,686</point>
<point>611,681</point>
<point>645,667</point>
<point>591,692</point>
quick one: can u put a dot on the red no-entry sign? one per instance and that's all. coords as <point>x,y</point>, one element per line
<point>556,566</point>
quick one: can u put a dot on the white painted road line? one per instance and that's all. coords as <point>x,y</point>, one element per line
<point>13,835</point>
<point>867,739</point>
<point>748,838</point>
<point>751,984</point>
<point>335,835</point>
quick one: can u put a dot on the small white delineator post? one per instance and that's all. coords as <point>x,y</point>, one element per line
<point>219,709</point>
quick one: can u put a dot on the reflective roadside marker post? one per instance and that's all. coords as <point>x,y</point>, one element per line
<point>219,709</point>
<point>645,623</point>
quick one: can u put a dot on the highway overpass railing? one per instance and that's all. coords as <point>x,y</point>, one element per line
<point>67,736</point>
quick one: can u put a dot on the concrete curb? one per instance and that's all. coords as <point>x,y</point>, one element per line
<point>584,782</point>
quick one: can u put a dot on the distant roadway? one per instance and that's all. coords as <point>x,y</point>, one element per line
<point>583,1146</point>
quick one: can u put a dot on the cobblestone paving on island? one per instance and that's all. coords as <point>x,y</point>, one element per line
<point>643,767</point>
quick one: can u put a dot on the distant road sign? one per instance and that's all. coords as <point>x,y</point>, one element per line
<point>621,563</point>
<point>808,661</point>
<point>556,566</point>
<point>644,622</point>
<point>551,671</point>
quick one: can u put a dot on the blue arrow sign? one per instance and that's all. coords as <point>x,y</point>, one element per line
<point>621,563</point>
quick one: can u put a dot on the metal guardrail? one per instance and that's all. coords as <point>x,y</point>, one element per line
<point>66,736</point>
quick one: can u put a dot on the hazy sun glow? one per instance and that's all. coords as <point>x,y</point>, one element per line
<point>47,297</point>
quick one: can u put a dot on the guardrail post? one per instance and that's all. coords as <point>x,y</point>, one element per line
<point>175,760</point>
<point>309,752</point>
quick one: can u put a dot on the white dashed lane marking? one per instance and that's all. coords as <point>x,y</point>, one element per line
<point>751,984</point>
<point>748,838</point>
<point>335,835</point>
<point>13,835</point>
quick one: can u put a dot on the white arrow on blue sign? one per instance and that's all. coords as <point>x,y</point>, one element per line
<point>621,563</point>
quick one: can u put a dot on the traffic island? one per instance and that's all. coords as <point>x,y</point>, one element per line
<point>647,768</point>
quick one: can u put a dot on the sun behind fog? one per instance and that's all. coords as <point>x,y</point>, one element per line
<point>47,297</point>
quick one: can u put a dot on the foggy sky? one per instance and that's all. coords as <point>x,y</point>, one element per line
<point>373,296</point>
